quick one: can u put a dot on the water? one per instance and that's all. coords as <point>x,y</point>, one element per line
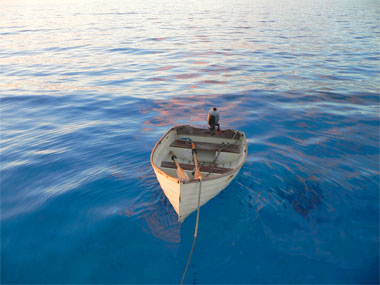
<point>88,87</point>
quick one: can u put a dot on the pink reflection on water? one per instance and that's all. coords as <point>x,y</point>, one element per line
<point>147,129</point>
<point>212,82</point>
<point>193,109</point>
<point>186,76</point>
<point>200,62</point>
<point>165,68</point>
<point>159,79</point>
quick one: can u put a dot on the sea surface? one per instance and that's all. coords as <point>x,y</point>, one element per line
<point>88,87</point>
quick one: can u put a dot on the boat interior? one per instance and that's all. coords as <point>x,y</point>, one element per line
<point>217,153</point>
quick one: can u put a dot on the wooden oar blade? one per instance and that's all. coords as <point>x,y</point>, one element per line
<point>197,174</point>
<point>180,172</point>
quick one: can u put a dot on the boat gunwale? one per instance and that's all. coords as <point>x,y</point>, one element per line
<point>157,169</point>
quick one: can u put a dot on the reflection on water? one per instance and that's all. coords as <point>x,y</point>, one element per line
<point>303,195</point>
<point>88,88</point>
<point>193,109</point>
<point>164,227</point>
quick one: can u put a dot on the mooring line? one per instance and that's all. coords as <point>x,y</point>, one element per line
<point>195,232</point>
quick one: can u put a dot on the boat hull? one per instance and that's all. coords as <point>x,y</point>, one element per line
<point>183,194</point>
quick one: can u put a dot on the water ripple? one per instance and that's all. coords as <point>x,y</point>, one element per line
<point>87,89</point>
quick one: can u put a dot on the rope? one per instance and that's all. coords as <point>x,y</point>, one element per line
<point>195,232</point>
<point>199,205</point>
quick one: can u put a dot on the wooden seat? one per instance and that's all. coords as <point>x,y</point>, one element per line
<point>191,131</point>
<point>203,168</point>
<point>207,146</point>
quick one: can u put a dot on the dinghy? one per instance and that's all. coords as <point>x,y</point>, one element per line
<point>186,157</point>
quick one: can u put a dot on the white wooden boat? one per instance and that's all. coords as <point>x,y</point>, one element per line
<point>220,157</point>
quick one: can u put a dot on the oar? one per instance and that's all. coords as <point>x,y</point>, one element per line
<point>198,174</point>
<point>180,172</point>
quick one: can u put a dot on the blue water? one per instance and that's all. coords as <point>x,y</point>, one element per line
<point>88,87</point>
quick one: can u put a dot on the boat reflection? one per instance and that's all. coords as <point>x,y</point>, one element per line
<point>154,212</point>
